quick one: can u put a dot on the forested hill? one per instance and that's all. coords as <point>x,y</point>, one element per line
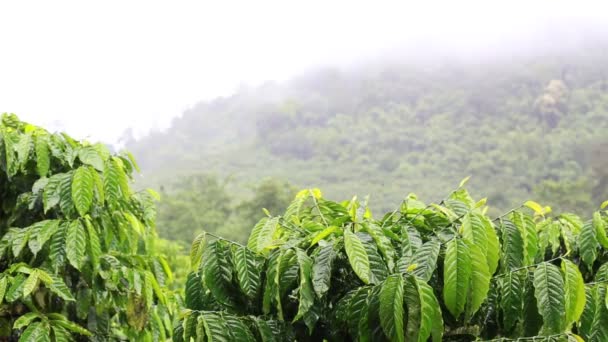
<point>529,128</point>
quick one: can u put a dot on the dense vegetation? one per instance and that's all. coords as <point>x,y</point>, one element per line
<point>443,271</point>
<point>203,202</point>
<point>527,127</point>
<point>78,254</point>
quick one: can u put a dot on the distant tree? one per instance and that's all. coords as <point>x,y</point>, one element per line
<point>192,204</point>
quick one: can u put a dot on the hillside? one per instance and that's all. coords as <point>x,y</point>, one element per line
<point>529,128</point>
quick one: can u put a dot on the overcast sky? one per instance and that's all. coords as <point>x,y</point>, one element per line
<point>96,68</point>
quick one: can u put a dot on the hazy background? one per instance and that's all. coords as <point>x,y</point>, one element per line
<point>231,106</point>
<point>97,68</point>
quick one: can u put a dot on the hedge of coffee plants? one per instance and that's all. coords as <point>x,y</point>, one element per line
<point>439,272</point>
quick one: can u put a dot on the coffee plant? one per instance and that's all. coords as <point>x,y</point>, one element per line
<point>77,255</point>
<point>442,272</point>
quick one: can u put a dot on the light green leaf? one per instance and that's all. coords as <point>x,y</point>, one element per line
<point>196,251</point>
<point>549,293</point>
<point>323,234</point>
<point>357,256</point>
<point>25,320</point>
<point>456,275</point>
<point>30,284</point>
<point>574,288</point>
<point>480,280</point>
<point>88,155</point>
<point>36,331</point>
<point>588,243</point>
<point>538,209</point>
<point>600,228</point>
<point>82,189</point>
<point>43,159</point>
<point>391,307</point>
<point>464,181</point>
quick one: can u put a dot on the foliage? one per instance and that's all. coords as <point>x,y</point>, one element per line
<point>443,272</point>
<point>77,245</point>
<point>202,201</point>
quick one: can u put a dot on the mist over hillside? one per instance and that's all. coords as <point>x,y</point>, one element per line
<point>521,127</point>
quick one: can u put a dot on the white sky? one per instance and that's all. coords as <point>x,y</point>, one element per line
<point>94,68</point>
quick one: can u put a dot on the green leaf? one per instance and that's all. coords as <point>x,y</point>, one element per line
<point>538,209</point>
<point>93,245</point>
<point>30,284</point>
<point>480,280</point>
<point>600,228</point>
<point>549,293</point>
<point>43,159</point>
<point>76,244</point>
<point>115,183</point>
<point>586,320</point>
<point>196,251</point>
<point>307,295</point>
<point>82,189</point>
<point>511,299</point>
<point>16,289</point>
<point>513,246</point>
<point>323,234</point>
<point>391,307</point>
<point>215,328</point>
<point>237,329</point>
<point>23,148</point>
<point>574,288</point>
<point>71,326</point>
<point>322,269</point>
<point>88,155</point>
<point>25,320</point>
<point>252,243</point>
<point>50,195</point>
<point>527,229</point>
<point>35,332</point>
<point>464,181</point>
<point>217,272</point>
<point>265,236</point>
<point>456,275</point>
<point>357,256</point>
<point>424,313</point>
<point>20,237</point>
<point>58,287</point>
<point>384,245</point>
<point>588,243</point>
<point>493,249</point>
<point>3,286</point>
<point>248,271</point>
<point>425,260</point>
<point>66,202</point>
<point>599,327</point>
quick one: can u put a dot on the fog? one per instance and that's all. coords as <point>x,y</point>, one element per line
<point>96,70</point>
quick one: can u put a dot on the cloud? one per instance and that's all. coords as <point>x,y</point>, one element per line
<point>95,69</point>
